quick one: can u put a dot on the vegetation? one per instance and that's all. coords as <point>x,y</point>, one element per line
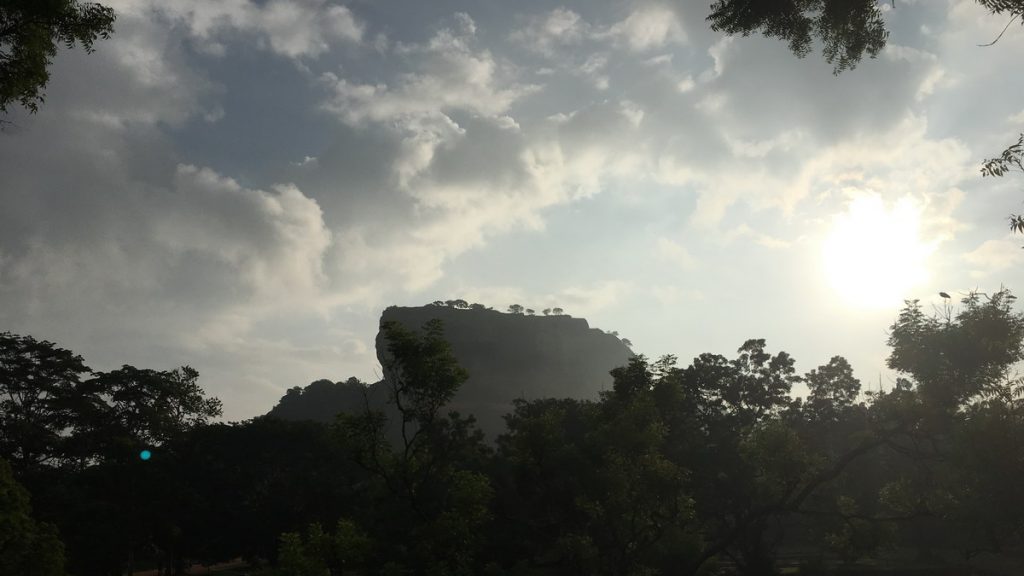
<point>30,33</point>
<point>675,470</point>
<point>26,545</point>
<point>517,309</point>
<point>847,30</point>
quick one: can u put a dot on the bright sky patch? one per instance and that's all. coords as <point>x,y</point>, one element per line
<point>874,255</point>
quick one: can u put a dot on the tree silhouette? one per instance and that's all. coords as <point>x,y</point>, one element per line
<point>847,29</point>
<point>428,484</point>
<point>31,31</point>
<point>515,309</point>
<point>43,401</point>
<point>667,471</point>
<point>1009,160</point>
<point>150,407</point>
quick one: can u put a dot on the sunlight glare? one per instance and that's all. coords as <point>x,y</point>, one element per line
<point>874,255</point>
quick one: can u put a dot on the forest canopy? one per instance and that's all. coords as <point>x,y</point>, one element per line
<point>673,470</point>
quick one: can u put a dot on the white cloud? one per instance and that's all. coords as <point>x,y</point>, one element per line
<point>594,68</point>
<point>445,75</point>
<point>139,76</point>
<point>129,224</point>
<point>995,257</point>
<point>553,31</point>
<point>274,242</point>
<point>759,149</point>
<point>647,28</point>
<point>307,30</point>
<point>292,28</point>
<point>903,161</point>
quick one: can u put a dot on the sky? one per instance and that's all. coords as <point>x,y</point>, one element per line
<point>243,186</point>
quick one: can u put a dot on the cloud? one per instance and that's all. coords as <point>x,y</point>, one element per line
<point>273,242</point>
<point>445,73</point>
<point>652,26</point>
<point>646,28</point>
<point>291,28</point>
<point>139,76</point>
<point>139,225</point>
<point>552,31</point>
<point>676,254</point>
<point>995,257</point>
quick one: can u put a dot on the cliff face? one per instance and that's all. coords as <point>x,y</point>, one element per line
<point>511,356</point>
<point>507,356</point>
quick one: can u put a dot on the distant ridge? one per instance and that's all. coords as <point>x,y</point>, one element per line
<point>507,356</point>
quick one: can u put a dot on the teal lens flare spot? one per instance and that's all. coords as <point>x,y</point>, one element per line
<point>145,455</point>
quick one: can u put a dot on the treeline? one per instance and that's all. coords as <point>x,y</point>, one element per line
<point>460,304</point>
<point>676,470</point>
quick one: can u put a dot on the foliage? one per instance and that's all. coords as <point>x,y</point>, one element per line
<point>27,547</point>
<point>42,400</point>
<point>671,470</point>
<point>1006,7</point>
<point>248,482</point>
<point>952,480</point>
<point>344,551</point>
<point>847,29</point>
<point>431,477</point>
<point>1010,159</point>
<point>954,359</point>
<point>30,33</point>
<point>833,389</point>
<point>589,489</point>
<point>52,416</point>
<point>149,407</point>
<point>74,440</point>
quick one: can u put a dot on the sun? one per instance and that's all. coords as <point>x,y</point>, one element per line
<point>874,255</point>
